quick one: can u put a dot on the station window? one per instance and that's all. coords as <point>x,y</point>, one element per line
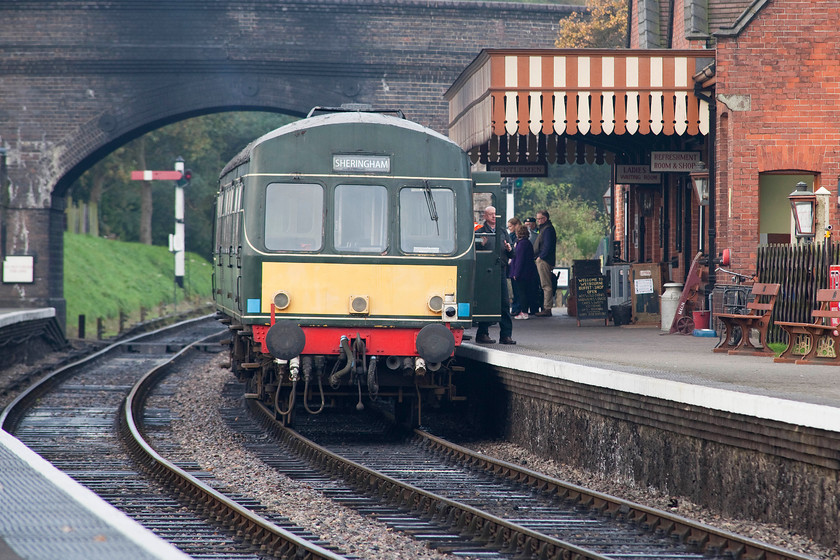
<point>427,220</point>
<point>294,217</point>
<point>361,218</point>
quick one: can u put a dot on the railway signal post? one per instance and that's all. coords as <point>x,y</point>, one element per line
<point>181,178</point>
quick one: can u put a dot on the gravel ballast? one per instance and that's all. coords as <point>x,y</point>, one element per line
<point>217,450</point>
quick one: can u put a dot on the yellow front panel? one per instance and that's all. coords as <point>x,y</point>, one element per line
<point>326,288</point>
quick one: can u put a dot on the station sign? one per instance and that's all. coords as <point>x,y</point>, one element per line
<point>359,163</point>
<point>19,269</point>
<point>673,162</point>
<point>519,169</point>
<point>636,175</point>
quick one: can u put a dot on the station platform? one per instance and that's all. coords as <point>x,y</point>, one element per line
<point>681,368</point>
<point>45,514</point>
<point>37,327</point>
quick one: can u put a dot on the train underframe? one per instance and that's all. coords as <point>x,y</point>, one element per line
<point>349,377</point>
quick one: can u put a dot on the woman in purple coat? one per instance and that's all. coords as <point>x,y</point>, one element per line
<point>523,272</point>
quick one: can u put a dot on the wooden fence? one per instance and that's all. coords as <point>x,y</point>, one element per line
<point>801,270</point>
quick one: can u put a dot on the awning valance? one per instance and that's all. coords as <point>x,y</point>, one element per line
<point>577,91</point>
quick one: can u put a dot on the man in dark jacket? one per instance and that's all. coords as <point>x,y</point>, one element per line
<point>544,249</point>
<point>482,334</point>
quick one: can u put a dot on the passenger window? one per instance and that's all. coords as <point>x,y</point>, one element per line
<point>294,217</point>
<point>427,220</point>
<point>361,218</point>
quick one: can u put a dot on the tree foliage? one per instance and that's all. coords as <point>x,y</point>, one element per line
<point>206,143</point>
<point>580,223</point>
<point>603,25</point>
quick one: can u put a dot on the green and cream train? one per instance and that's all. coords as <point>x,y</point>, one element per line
<point>345,262</point>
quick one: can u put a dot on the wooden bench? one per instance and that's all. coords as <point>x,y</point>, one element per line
<point>817,342</point>
<point>760,310</point>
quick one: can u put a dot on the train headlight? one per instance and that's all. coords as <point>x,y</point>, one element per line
<point>436,304</point>
<point>359,304</point>
<point>450,307</point>
<point>281,300</point>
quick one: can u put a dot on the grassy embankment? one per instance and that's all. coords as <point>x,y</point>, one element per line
<point>103,278</point>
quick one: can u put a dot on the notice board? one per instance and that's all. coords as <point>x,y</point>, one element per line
<point>645,288</point>
<point>590,291</point>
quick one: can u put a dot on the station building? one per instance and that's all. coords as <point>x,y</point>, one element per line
<point>710,117</point>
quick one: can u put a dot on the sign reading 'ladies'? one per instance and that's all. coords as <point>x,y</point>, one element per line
<point>361,163</point>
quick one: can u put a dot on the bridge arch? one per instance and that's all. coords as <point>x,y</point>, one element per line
<point>81,77</point>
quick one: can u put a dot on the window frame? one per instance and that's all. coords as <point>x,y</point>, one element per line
<point>384,225</point>
<point>453,224</point>
<point>319,227</point>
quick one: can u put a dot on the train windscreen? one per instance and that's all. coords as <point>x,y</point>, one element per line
<point>427,220</point>
<point>294,216</point>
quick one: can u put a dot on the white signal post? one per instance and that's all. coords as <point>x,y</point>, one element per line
<point>176,241</point>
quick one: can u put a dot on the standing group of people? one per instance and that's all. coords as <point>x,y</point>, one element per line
<point>530,268</point>
<point>529,255</point>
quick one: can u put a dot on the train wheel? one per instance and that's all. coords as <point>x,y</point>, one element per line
<point>237,355</point>
<point>405,414</point>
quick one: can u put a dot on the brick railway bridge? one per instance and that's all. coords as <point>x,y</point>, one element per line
<point>79,78</point>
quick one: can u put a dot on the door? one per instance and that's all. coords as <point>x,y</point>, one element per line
<point>489,280</point>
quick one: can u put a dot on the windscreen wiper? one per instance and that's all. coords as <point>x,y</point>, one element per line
<point>430,203</point>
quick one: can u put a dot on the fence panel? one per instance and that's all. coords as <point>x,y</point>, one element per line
<point>800,270</point>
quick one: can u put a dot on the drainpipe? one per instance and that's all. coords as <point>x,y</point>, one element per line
<point>712,141</point>
<point>4,173</point>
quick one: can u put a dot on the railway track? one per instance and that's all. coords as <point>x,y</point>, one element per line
<point>89,419</point>
<point>457,501</point>
<point>468,504</point>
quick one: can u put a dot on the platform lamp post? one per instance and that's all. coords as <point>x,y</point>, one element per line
<point>607,198</point>
<point>700,180</point>
<point>802,206</point>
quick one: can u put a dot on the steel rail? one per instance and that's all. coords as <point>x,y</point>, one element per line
<point>481,526</point>
<point>705,538</point>
<point>243,522</point>
<point>10,416</point>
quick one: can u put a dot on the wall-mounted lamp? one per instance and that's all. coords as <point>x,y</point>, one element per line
<point>700,179</point>
<point>802,206</point>
<point>607,198</point>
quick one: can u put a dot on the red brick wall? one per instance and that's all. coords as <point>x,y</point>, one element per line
<point>787,63</point>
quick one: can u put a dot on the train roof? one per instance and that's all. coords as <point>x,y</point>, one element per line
<point>345,117</point>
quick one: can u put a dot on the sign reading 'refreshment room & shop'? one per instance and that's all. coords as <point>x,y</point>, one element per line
<point>673,162</point>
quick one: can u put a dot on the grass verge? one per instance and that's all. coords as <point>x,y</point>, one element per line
<point>108,279</point>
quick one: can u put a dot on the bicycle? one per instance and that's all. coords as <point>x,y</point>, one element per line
<point>735,298</point>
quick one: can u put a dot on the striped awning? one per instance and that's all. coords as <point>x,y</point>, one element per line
<point>577,92</point>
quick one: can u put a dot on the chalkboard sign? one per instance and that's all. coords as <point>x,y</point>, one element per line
<point>591,294</point>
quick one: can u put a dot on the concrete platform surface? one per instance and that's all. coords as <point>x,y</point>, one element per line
<point>45,514</point>
<point>646,360</point>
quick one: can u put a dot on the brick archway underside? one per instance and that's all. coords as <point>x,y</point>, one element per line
<point>78,78</point>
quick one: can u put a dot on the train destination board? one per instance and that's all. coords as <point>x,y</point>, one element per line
<point>362,163</point>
